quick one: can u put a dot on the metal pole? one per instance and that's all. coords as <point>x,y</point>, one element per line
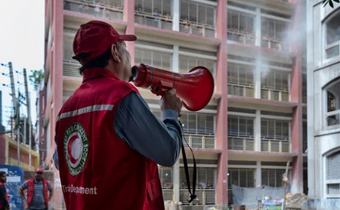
<point>25,137</point>
<point>18,145</point>
<point>11,75</point>
<point>29,118</point>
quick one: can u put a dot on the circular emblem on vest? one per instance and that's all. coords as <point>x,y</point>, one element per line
<point>76,148</point>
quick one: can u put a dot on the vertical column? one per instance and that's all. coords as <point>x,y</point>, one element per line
<point>175,15</point>
<point>57,65</point>
<point>296,96</point>
<point>258,27</point>
<point>258,174</point>
<point>257,130</point>
<point>222,111</point>
<point>176,181</point>
<point>175,59</point>
<point>129,17</point>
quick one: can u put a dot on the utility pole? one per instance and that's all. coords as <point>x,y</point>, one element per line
<point>11,75</point>
<point>17,113</point>
<point>29,119</point>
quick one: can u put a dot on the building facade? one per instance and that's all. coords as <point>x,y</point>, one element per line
<point>254,122</point>
<point>323,32</point>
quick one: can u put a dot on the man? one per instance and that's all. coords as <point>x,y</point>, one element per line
<point>4,200</point>
<point>108,140</point>
<point>37,191</point>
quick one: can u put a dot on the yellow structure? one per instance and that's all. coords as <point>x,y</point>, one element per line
<point>11,155</point>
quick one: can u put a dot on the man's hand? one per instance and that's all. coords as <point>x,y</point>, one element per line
<point>171,101</point>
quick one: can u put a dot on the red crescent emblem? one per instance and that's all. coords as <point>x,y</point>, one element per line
<point>69,148</point>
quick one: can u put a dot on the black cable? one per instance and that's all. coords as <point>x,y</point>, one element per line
<point>192,194</point>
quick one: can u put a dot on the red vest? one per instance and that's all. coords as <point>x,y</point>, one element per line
<point>1,183</point>
<point>98,170</point>
<point>30,191</point>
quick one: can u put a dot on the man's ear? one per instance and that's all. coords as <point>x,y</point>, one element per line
<point>115,54</point>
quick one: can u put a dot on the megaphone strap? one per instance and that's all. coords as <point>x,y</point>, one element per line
<point>186,169</point>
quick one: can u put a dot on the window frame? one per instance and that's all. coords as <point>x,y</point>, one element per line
<point>326,46</point>
<point>324,175</point>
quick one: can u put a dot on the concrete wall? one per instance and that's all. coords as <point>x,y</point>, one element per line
<point>320,71</point>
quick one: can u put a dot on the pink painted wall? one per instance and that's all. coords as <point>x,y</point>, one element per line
<point>222,114</point>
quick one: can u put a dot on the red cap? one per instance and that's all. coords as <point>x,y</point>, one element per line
<point>94,38</point>
<point>39,170</point>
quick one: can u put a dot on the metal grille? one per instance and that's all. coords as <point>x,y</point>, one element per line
<point>107,8</point>
<point>154,58</point>
<point>186,63</point>
<point>240,126</point>
<point>241,27</point>
<point>272,177</point>
<point>241,177</point>
<point>168,194</point>
<point>155,13</point>
<point>275,84</point>
<point>275,129</point>
<point>198,19</point>
<point>197,123</point>
<point>274,34</point>
<point>333,166</point>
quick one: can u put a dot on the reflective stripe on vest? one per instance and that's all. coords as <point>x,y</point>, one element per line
<point>88,109</point>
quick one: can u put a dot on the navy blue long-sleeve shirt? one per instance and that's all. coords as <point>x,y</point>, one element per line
<point>135,124</point>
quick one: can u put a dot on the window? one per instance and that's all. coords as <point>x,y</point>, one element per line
<point>240,80</point>
<point>186,63</point>
<point>206,184</point>
<point>240,133</point>
<point>275,136</point>
<point>104,8</point>
<point>304,88</point>
<point>333,36</point>
<point>166,177</point>
<point>156,13</point>
<point>333,109</point>
<point>154,58</point>
<point>197,123</point>
<point>275,85</point>
<point>197,19</point>
<point>274,34</point>
<point>274,129</point>
<point>241,177</point>
<point>241,27</point>
<point>272,177</point>
<point>333,175</point>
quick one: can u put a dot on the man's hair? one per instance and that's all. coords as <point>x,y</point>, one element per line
<point>100,61</point>
<point>2,173</point>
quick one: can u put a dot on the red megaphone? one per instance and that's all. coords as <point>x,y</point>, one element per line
<point>194,88</point>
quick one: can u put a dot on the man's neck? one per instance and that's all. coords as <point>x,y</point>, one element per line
<point>38,180</point>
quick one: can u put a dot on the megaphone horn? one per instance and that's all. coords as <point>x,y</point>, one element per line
<point>195,88</point>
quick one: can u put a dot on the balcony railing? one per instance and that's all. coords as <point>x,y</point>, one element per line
<point>241,36</point>
<point>197,29</point>
<point>147,19</point>
<point>240,90</point>
<point>240,143</point>
<point>333,118</point>
<point>278,95</point>
<point>99,9</point>
<point>25,166</point>
<point>274,43</point>
<point>271,145</point>
<point>200,141</point>
<point>168,194</point>
<point>204,196</point>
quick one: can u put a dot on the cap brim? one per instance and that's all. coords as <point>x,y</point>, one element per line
<point>127,37</point>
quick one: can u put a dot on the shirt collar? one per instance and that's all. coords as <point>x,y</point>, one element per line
<point>92,73</point>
